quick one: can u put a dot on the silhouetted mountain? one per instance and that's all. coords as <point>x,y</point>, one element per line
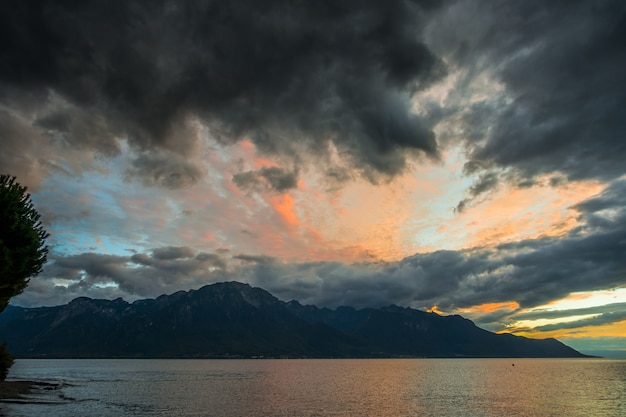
<point>236,320</point>
<point>397,331</point>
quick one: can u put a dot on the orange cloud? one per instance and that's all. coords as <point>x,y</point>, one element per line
<point>526,213</point>
<point>411,214</point>
<point>247,146</point>
<point>435,309</point>
<point>491,307</point>
<point>284,205</point>
<point>264,163</point>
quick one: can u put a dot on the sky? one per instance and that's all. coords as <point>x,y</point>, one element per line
<point>463,157</point>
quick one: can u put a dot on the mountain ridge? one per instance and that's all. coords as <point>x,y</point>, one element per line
<point>234,319</point>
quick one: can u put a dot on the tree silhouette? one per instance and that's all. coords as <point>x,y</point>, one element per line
<point>22,239</point>
<point>23,249</point>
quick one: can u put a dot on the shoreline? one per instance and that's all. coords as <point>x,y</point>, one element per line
<point>15,390</point>
<point>21,390</point>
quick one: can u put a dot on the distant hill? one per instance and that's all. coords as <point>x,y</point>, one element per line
<point>236,320</point>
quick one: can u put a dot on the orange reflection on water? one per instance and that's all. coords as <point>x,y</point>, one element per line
<point>355,387</point>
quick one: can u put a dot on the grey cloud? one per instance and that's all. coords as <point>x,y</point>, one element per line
<point>563,107</point>
<point>80,129</point>
<point>274,178</point>
<point>21,156</point>
<point>94,265</point>
<point>173,252</point>
<point>337,175</point>
<point>417,281</point>
<point>462,205</point>
<point>488,181</point>
<point>494,321</point>
<point>327,283</point>
<point>256,259</point>
<point>279,179</point>
<point>473,166</point>
<point>613,198</point>
<point>289,76</point>
<point>248,180</point>
<point>212,260</point>
<point>169,171</point>
<point>183,265</point>
<point>140,275</point>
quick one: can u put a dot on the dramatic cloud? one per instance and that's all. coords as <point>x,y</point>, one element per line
<point>461,155</point>
<point>291,77</point>
<point>538,86</point>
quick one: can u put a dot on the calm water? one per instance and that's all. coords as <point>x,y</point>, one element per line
<point>300,388</point>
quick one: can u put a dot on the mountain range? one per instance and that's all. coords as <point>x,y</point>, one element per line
<point>235,320</point>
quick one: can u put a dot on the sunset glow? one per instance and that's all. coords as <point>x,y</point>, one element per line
<point>462,158</point>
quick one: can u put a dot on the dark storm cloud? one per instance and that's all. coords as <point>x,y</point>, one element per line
<point>561,64</point>
<point>291,76</point>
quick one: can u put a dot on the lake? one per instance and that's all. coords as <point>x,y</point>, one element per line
<point>334,387</point>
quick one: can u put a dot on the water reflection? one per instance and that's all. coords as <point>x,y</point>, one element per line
<point>393,387</point>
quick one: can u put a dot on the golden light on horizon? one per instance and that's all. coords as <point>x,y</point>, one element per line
<point>616,329</point>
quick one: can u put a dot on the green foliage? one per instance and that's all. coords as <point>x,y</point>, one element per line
<point>6,360</point>
<point>22,240</point>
